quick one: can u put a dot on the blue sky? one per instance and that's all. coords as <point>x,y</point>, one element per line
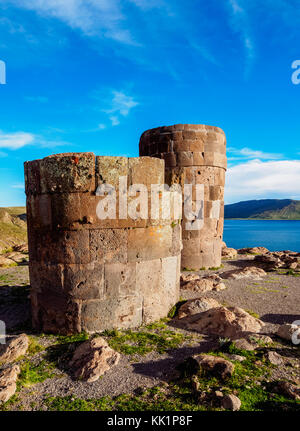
<point>92,75</point>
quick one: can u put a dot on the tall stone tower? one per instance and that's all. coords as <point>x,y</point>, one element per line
<point>91,274</point>
<point>194,154</point>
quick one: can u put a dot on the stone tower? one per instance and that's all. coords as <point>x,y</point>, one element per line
<point>194,154</point>
<point>90,274</point>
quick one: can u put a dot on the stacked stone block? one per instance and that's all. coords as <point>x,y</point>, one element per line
<point>194,154</point>
<point>89,274</point>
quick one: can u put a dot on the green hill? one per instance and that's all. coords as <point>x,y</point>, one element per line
<point>13,229</point>
<point>267,209</point>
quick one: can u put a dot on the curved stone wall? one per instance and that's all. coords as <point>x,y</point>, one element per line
<point>90,274</point>
<point>194,154</point>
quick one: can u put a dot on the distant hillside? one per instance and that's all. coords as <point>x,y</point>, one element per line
<point>13,229</point>
<point>267,209</point>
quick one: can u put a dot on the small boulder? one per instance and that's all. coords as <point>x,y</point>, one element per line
<point>253,250</point>
<point>274,358</point>
<point>4,262</point>
<point>196,283</point>
<point>229,253</point>
<point>288,389</point>
<point>231,322</point>
<point>247,272</point>
<point>214,365</point>
<point>92,359</point>
<point>231,402</point>
<point>15,347</point>
<point>8,380</point>
<point>196,306</point>
<point>289,332</point>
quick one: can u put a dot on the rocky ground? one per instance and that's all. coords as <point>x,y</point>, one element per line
<point>162,366</point>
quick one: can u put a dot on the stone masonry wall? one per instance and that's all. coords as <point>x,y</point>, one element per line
<point>89,274</point>
<point>194,154</point>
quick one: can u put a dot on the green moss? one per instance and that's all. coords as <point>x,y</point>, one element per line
<point>155,337</point>
<point>34,346</point>
<point>174,310</point>
<point>67,339</point>
<point>252,313</point>
<point>173,398</point>
<point>35,373</point>
<point>215,268</point>
<point>188,269</point>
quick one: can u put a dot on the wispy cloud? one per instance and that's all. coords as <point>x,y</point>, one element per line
<point>258,179</point>
<point>115,104</point>
<point>18,186</point>
<point>101,18</point>
<point>248,153</point>
<point>121,103</point>
<point>239,22</point>
<point>16,140</point>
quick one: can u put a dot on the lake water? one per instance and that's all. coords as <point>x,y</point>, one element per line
<point>275,235</point>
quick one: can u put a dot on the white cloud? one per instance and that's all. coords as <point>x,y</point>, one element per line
<point>248,153</point>
<point>101,18</point>
<point>18,186</point>
<point>17,140</point>
<point>258,179</point>
<point>121,104</point>
<point>115,104</point>
<point>14,141</point>
<point>114,120</point>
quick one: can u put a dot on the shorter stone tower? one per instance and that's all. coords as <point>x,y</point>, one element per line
<point>194,154</point>
<point>90,274</point>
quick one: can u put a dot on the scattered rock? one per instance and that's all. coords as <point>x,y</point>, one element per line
<point>196,283</point>
<point>253,250</point>
<point>252,342</point>
<point>17,257</point>
<point>243,344</point>
<point>4,261</point>
<point>260,339</point>
<point>185,278</point>
<point>287,331</point>
<point>14,348</point>
<point>231,402</point>
<point>215,365</point>
<point>231,322</point>
<point>22,248</point>
<point>280,259</point>
<point>219,394</point>
<point>288,389</point>
<point>248,272</point>
<point>229,253</point>
<point>274,358</point>
<point>92,359</point>
<point>8,379</point>
<point>196,306</point>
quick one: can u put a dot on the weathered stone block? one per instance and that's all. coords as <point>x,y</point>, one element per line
<point>67,173</point>
<point>108,245</point>
<point>149,243</point>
